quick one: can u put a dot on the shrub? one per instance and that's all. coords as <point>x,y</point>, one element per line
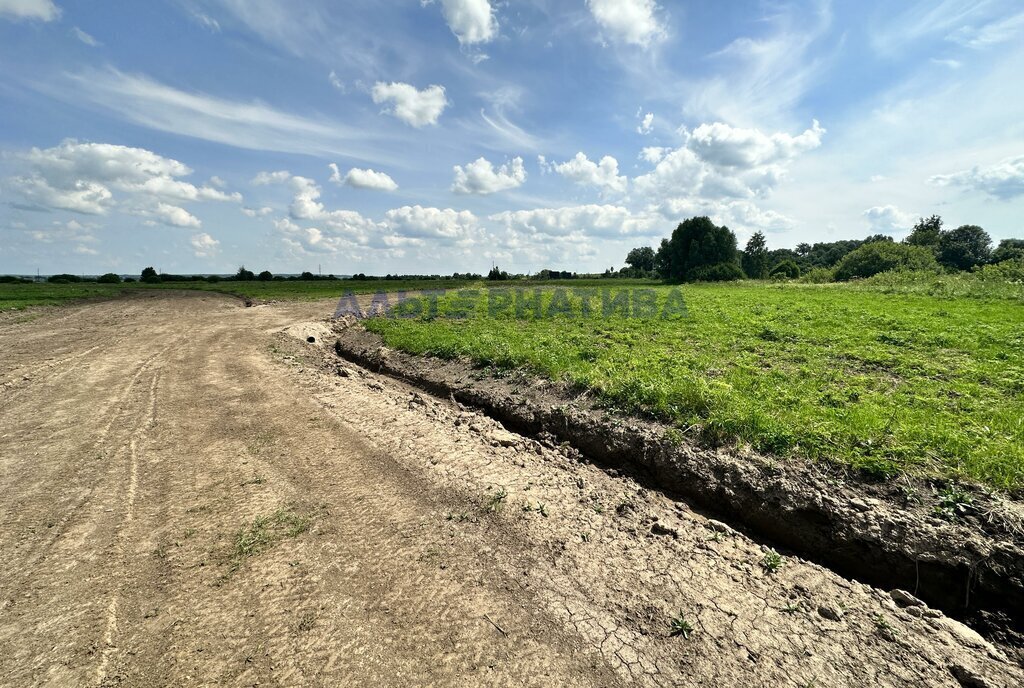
<point>63,278</point>
<point>213,279</point>
<point>720,272</point>
<point>109,278</point>
<point>818,276</point>
<point>883,256</point>
<point>265,276</point>
<point>1009,249</point>
<point>787,269</point>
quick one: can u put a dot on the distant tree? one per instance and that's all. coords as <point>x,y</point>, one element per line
<point>927,232</point>
<point>307,276</point>
<point>717,272</point>
<point>827,254</point>
<point>213,279</point>
<point>109,278</point>
<point>149,276</point>
<point>787,269</point>
<point>1009,249</point>
<point>641,259</point>
<point>695,243</point>
<point>965,247</point>
<point>883,256</point>
<point>496,274</point>
<point>265,276</point>
<point>802,249</point>
<point>755,257</point>
<point>878,237</point>
<point>63,278</point>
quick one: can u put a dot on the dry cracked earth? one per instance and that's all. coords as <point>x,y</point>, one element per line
<point>191,493</point>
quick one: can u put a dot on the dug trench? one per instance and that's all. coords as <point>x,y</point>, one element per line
<point>885,535</point>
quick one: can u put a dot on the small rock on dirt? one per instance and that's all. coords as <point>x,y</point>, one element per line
<point>905,599</point>
<point>830,612</point>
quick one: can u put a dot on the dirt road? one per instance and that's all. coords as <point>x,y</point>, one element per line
<point>190,496</point>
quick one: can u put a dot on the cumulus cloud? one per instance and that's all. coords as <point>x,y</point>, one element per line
<point>482,178</point>
<point>472,21</point>
<point>94,178</point>
<point>605,221</point>
<point>363,179</point>
<point>603,174</point>
<point>43,10</point>
<point>1002,181</point>
<point>257,212</point>
<point>445,224</point>
<point>717,161</point>
<point>204,245</point>
<point>646,124</point>
<point>653,154</point>
<point>634,22</point>
<point>888,219</point>
<point>265,178</point>
<point>414,107</point>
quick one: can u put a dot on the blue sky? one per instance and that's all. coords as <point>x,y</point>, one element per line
<point>427,137</point>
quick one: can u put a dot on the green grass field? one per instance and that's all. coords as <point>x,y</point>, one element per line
<point>886,382</point>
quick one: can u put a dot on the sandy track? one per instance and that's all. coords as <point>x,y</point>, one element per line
<point>138,437</point>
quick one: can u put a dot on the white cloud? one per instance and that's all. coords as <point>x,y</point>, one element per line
<point>989,34</point>
<point>584,220</point>
<point>603,174</point>
<point>629,21</point>
<point>85,38</point>
<point>363,179</point>
<point>726,146</point>
<point>717,161</point>
<point>83,178</point>
<point>29,9</point>
<point>206,21</point>
<point>204,245</point>
<point>653,154</point>
<point>646,124</point>
<point>445,224</point>
<point>472,21</point>
<point>217,182</point>
<point>888,219</point>
<point>257,212</point>
<point>1003,181</point>
<point>173,215</point>
<point>414,107</point>
<point>250,125</point>
<point>482,178</point>
<point>336,81</point>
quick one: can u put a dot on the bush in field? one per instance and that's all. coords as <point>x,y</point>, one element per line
<point>244,275</point>
<point>965,247</point>
<point>1005,271</point>
<point>719,272</point>
<point>818,276</point>
<point>787,269</point>
<point>109,278</point>
<point>883,256</point>
<point>265,276</point>
<point>63,278</point>
<point>696,243</point>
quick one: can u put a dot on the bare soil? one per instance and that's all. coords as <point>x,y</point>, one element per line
<point>188,497</point>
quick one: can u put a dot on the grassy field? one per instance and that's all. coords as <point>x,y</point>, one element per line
<point>886,382</point>
<point>19,296</point>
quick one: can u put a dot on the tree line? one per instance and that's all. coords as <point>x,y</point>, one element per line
<point>701,251</point>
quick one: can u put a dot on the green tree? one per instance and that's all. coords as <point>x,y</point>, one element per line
<point>695,243</point>
<point>755,257</point>
<point>109,278</point>
<point>149,275</point>
<point>787,269</point>
<point>927,232</point>
<point>641,259</point>
<point>1009,249</point>
<point>265,276</point>
<point>244,275</point>
<point>965,247</point>
<point>883,256</point>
